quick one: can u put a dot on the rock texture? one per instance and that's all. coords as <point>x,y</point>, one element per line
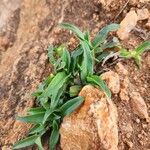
<point>93,125</point>
<point>26,29</point>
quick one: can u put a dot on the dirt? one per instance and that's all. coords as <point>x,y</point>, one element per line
<point>26,29</point>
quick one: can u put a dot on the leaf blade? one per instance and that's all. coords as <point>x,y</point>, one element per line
<point>71,105</point>
<point>25,142</point>
<point>97,80</point>
<point>102,35</point>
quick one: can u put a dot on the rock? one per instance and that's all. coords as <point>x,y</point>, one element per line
<point>144,1</point>
<point>133,2</point>
<point>137,120</point>
<point>144,126</point>
<point>147,25</point>
<point>143,14</point>
<point>112,80</point>
<point>130,144</point>
<point>120,68</point>
<point>124,90</point>
<point>127,25</point>
<point>93,125</point>
<point>138,105</point>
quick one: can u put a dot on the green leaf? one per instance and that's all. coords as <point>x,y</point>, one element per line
<point>25,142</point>
<point>115,42</point>
<point>51,55</point>
<point>32,118</point>
<point>36,129</point>
<point>102,35</point>
<point>97,80</point>
<point>143,47</point>
<point>126,54</point>
<point>47,114</point>
<point>74,29</point>
<point>56,83</point>
<point>75,59</point>
<point>67,59</point>
<point>74,90</point>
<point>102,56</point>
<point>54,136</point>
<point>71,105</point>
<point>138,60</point>
<point>42,86</point>
<point>88,61</point>
<point>37,110</point>
<point>39,144</point>
<point>59,50</point>
<point>56,96</point>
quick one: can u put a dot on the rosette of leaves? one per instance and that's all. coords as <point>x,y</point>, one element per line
<point>58,96</point>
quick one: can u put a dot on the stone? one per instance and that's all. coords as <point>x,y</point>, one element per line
<point>112,80</point>
<point>137,120</point>
<point>138,105</point>
<point>127,25</point>
<point>143,14</point>
<point>147,25</point>
<point>93,125</point>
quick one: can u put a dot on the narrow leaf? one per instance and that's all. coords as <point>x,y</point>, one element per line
<point>102,35</point>
<point>25,142</point>
<point>74,29</point>
<point>66,58</point>
<point>36,129</point>
<point>54,136</point>
<point>37,110</point>
<point>51,54</point>
<point>32,118</point>
<point>56,83</point>
<point>47,114</point>
<point>143,47</point>
<point>97,80</point>
<point>87,63</point>
<point>71,105</point>
<point>39,144</point>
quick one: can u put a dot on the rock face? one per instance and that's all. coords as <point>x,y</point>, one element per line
<point>26,29</point>
<point>93,125</point>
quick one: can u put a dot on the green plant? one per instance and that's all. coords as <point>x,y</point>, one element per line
<point>136,53</point>
<point>58,96</point>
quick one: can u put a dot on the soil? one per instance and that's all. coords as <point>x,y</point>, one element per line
<point>27,27</point>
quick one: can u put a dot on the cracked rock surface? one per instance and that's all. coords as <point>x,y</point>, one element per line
<point>27,27</point>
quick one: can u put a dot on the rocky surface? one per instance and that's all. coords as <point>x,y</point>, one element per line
<point>93,125</point>
<point>26,29</point>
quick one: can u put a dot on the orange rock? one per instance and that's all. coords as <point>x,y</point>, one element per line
<point>112,80</point>
<point>143,14</point>
<point>127,25</point>
<point>93,125</point>
<point>139,106</point>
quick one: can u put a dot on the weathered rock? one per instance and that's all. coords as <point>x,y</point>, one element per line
<point>147,25</point>
<point>93,125</point>
<point>127,25</point>
<point>112,80</point>
<point>143,14</point>
<point>139,106</point>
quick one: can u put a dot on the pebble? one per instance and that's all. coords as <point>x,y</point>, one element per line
<point>140,136</point>
<point>143,14</point>
<point>143,132</point>
<point>137,120</point>
<point>130,144</point>
<point>128,135</point>
<point>127,25</point>
<point>141,142</point>
<point>144,126</point>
